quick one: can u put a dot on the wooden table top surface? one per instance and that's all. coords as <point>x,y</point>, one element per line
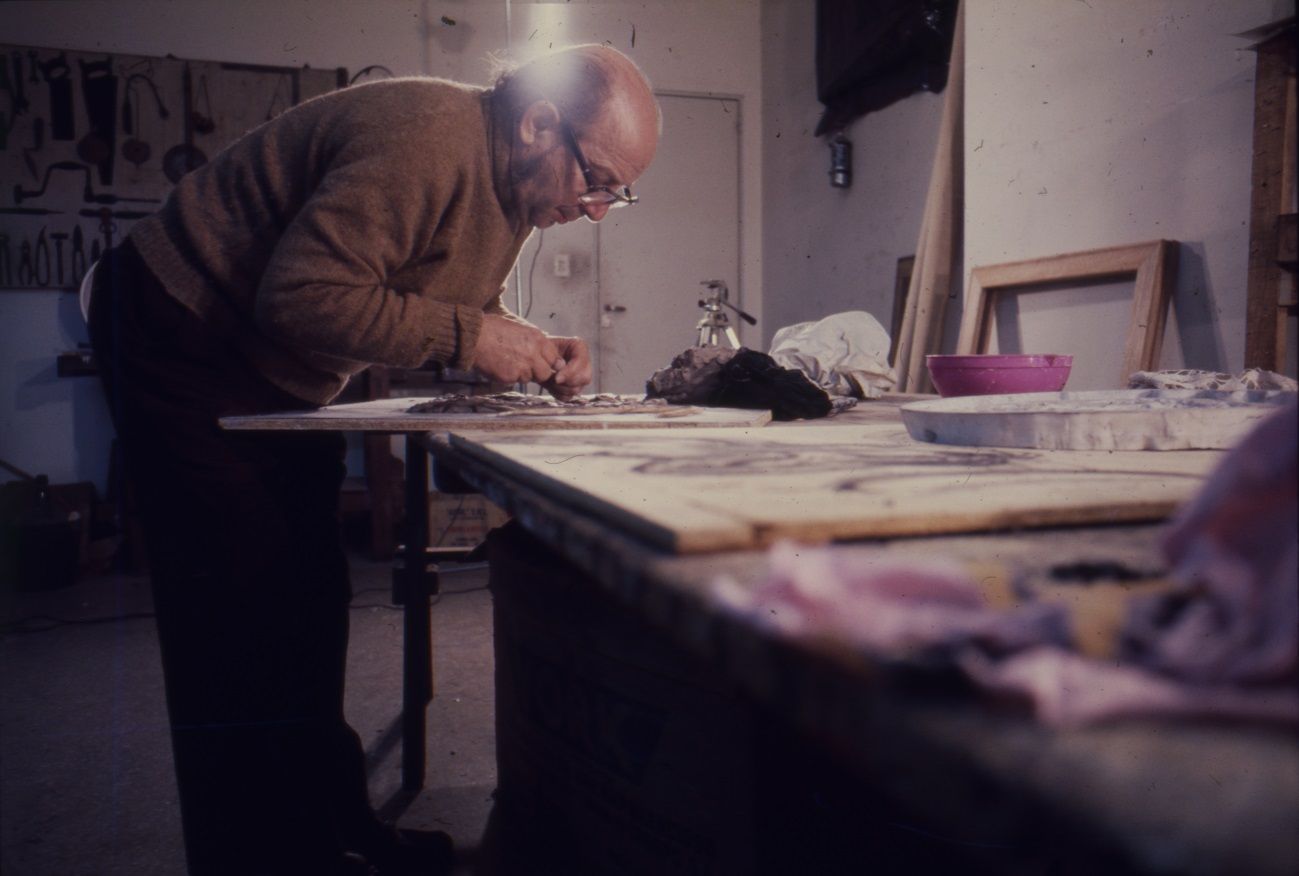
<point>1176,796</point>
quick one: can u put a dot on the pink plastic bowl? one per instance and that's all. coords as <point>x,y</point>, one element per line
<point>995,374</point>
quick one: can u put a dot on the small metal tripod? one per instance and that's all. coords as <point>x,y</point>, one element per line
<point>715,321</point>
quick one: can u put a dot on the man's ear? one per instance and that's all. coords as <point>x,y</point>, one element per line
<point>539,125</point>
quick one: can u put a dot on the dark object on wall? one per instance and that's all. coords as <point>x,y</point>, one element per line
<point>20,101</point>
<point>56,72</point>
<point>6,262</point>
<point>137,150</point>
<point>841,162</point>
<point>42,263</point>
<point>184,157</point>
<point>38,143</point>
<point>93,113</point>
<point>871,53</point>
<point>99,91</point>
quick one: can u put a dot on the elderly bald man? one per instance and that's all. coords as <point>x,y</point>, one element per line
<point>376,224</point>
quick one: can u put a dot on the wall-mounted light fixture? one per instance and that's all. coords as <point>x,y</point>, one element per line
<point>840,161</point>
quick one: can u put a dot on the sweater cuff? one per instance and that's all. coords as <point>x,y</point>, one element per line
<point>450,336</point>
<point>469,323</point>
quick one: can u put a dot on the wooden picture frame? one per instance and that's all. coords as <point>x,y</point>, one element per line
<point>1152,265</point>
<point>901,289</point>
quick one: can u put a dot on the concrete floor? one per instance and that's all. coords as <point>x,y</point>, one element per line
<point>86,785</point>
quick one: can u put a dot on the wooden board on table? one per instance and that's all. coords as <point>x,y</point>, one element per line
<point>391,415</point>
<point>713,490</point>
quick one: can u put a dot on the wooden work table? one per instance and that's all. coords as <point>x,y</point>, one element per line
<point>1142,796</point>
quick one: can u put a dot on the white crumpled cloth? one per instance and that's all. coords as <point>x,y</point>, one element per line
<point>846,354</point>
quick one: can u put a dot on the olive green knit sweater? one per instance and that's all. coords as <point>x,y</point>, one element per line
<point>371,225</point>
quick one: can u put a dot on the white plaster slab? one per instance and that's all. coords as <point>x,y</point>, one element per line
<point>1136,419</point>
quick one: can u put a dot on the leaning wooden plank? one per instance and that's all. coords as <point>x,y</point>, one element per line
<point>1274,89</point>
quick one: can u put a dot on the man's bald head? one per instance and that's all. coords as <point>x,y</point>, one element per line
<point>596,96</point>
<point>591,85</point>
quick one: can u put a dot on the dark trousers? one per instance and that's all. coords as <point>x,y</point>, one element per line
<point>250,586</point>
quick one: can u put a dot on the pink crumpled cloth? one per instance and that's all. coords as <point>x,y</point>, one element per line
<point>1223,642</point>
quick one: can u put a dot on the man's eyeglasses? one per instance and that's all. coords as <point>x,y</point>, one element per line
<point>595,195</point>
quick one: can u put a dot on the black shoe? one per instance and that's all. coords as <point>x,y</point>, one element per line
<point>394,851</point>
<point>354,865</point>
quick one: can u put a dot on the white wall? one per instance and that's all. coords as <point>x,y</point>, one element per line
<point>59,427</point>
<point>827,250</point>
<point>1087,124</point>
<point>1110,122</point>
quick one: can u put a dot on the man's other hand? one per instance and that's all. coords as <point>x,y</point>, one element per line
<point>573,368</point>
<point>515,352</point>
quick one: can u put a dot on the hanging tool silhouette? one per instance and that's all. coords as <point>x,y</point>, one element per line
<point>78,254</point>
<point>58,237</point>
<point>56,73</point>
<point>88,192</point>
<point>6,267</point>
<point>99,91</point>
<point>25,263</point>
<point>42,261</point>
<point>135,149</point>
<point>38,143</point>
<point>20,102</point>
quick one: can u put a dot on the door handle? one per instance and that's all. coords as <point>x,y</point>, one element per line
<point>614,308</point>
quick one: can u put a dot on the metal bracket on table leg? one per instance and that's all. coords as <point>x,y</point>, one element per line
<point>429,583</point>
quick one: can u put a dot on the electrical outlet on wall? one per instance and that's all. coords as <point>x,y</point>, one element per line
<point>563,265</point>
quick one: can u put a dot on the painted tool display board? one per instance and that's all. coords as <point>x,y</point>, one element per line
<point>90,142</point>
<point>714,490</point>
<point>392,415</point>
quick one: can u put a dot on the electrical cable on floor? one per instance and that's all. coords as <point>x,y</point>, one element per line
<point>22,626</point>
<point>19,627</point>
<point>433,600</point>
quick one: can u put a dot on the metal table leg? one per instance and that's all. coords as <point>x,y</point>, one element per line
<point>417,652</point>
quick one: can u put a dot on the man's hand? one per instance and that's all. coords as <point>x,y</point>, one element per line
<point>574,368</point>
<point>509,351</point>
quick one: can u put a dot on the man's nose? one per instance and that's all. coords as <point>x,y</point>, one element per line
<point>595,212</point>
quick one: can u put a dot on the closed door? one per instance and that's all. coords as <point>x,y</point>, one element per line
<point>652,257</point>
<point>629,285</point>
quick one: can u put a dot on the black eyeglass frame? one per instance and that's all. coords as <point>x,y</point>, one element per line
<point>595,194</point>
